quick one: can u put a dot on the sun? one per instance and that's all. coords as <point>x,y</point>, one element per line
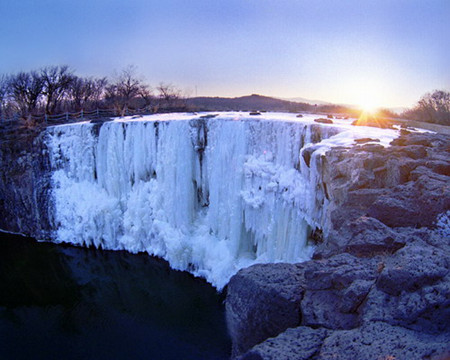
<point>369,107</point>
<point>369,115</point>
<point>367,93</point>
<point>368,104</point>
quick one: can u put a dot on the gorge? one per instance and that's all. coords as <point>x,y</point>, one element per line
<point>209,194</point>
<point>216,193</point>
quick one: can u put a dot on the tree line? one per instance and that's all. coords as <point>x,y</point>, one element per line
<point>54,90</point>
<point>433,107</point>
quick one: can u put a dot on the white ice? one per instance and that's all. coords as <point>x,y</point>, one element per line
<point>210,196</point>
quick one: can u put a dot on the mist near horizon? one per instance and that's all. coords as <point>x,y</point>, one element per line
<point>346,53</point>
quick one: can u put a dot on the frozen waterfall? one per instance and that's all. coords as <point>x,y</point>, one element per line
<point>209,195</point>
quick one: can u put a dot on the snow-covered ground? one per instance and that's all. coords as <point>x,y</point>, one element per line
<point>211,196</point>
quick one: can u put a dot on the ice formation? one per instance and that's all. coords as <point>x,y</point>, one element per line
<point>210,195</point>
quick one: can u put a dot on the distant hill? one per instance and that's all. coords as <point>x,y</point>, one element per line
<point>247,103</point>
<point>261,103</point>
<point>308,101</point>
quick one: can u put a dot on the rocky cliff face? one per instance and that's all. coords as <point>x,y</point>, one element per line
<point>379,284</point>
<point>24,182</point>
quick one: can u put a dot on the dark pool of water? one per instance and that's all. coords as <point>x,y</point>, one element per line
<point>64,302</point>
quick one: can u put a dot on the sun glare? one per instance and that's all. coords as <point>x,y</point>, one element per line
<point>369,111</point>
<point>367,93</point>
<point>368,104</point>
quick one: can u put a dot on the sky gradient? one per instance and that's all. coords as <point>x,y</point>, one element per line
<point>391,52</point>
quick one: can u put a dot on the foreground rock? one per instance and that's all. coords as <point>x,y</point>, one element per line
<point>377,340</point>
<point>379,284</point>
<point>301,343</point>
<point>265,300</point>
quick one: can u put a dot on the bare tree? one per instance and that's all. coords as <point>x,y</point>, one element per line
<point>4,93</point>
<point>146,96</point>
<point>86,93</point>
<point>77,93</point>
<point>437,106</point>
<point>56,83</point>
<point>98,90</point>
<point>126,87</point>
<point>169,96</point>
<point>432,107</point>
<point>55,89</point>
<point>26,91</point>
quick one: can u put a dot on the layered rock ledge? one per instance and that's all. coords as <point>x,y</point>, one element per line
<point>378,286</point>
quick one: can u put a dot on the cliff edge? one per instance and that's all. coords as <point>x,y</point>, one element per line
<point>378,286</point>
<point>24,182</point>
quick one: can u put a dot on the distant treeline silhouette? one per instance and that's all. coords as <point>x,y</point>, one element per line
<point>56,92</point>
<point>53,90</point>
<point>432,107</point>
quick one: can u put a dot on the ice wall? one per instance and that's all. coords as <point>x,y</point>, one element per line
<point>210,195</point>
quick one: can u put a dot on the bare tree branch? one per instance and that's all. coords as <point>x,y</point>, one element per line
<point>26,91</point>
<point>56,82</point>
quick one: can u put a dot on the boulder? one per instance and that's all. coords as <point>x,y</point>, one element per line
<point>301,343</point>
<point>416,203</point>
<point>366,140</point>
<point>354,295</point>
<point>379,340</point>
<point>334,290</point>
<point>423,139</point>
<point>413,268</point>
<point>322,308</point>
<point>363,237</point>
<point>374,340</point>
<point>413,151</point>
<point>263,301</point>
<point>323,121</point>
<point>412,290</point>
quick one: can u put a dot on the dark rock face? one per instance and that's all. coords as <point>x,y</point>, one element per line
<point>328,285</point>
<point>301,343</point>
<point>379,340</point>
<point>363,237</point>
<point>412,269</point>
<point>24,183</point>
<point>416,203</point>
<point>262,301</point>
<point>378,286</point>
<point>405,185</point>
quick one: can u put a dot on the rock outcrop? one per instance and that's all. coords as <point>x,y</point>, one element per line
<point>266,299</point>
<point>378,286</point>
<point>24,182</point>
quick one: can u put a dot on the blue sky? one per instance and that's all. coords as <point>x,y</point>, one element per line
<point>348,51</point>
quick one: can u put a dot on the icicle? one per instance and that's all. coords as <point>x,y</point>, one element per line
<point>209,195</point>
